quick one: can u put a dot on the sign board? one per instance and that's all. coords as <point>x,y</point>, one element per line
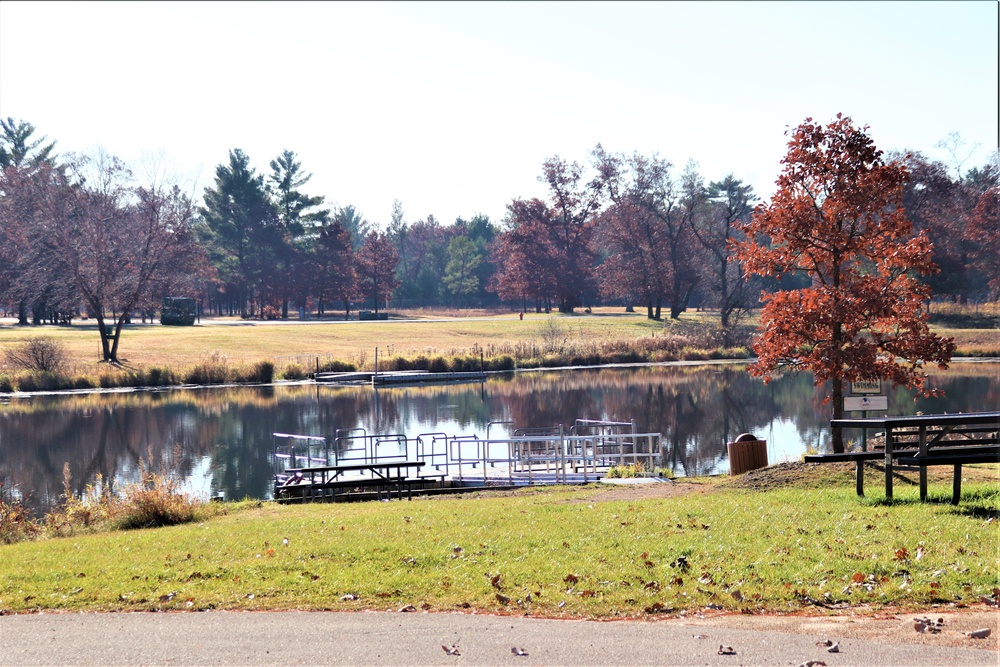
<point>852,403</point>
<point>867,387</point>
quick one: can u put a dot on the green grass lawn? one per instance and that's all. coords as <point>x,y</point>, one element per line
<point>579,551</point>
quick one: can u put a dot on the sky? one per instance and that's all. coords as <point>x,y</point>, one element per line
<point>452,107</point>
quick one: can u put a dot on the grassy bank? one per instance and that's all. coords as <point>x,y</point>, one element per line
<point>789,538</point>
<point>235,351</point>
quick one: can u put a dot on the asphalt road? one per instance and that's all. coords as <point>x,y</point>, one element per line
<point>392,638</point>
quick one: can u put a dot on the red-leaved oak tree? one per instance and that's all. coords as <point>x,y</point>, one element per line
<point>838,216</point>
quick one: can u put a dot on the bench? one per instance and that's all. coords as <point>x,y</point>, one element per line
<point>923,440</point>
<point>956,457</point>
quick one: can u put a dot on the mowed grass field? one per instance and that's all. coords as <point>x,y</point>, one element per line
<point>408,333</point>
<point>782,539</point>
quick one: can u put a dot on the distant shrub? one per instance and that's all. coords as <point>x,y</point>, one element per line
<point>44,381</point>
<point>207,372</point>
<point>465,364</point>
<point>83,382</point>
<point>504,362</point>
<point>337,366</point>
<point>261,372</point>
<point>690,354</point>
<point>294,372</point>
<point>41,354</point>
<point>395,364</point>
<point>438,364</point>
<point>160,377</point>
<point>6,384</point>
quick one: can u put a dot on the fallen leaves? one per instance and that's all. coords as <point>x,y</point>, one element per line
<point>978,634</point>
<point>451,650</point>
<point>927,626</point>
<point>681,563</point>
<point>831,646</point>
<point>726,650</point>
<point>518,651</point>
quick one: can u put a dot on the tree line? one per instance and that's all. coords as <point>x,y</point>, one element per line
<point>86,235</point>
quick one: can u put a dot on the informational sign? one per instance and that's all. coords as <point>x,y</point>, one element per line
<point>852,403</point>
<point>867,387</point>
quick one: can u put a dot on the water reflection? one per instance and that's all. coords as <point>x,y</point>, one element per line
<point>220,439</point>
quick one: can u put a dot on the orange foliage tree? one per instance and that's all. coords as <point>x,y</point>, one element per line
<point>838,216</point>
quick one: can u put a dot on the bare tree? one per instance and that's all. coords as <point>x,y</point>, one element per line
<point>116,239</point>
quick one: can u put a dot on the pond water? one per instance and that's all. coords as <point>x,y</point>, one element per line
<point>218,440</point>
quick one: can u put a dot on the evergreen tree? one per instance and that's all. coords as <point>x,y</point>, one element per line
<point>241,222</point>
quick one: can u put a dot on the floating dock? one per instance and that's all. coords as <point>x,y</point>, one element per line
<point>399,378</point>
<point>356,465</point>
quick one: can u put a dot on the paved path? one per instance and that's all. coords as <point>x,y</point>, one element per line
<point>385,638</point>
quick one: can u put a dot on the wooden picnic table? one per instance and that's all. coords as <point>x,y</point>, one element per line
<point>391,474</point>
<point>974,440</point>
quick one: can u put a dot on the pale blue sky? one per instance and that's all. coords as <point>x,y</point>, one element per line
<point>452,107</point>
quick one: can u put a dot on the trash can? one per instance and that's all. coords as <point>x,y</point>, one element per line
<point>747,453</point>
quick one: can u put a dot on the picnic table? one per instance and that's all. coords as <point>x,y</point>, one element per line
<point>384,474</point>
<point>922,441</point>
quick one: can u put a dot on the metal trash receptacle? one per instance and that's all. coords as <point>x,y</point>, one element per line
<point>746,453</point>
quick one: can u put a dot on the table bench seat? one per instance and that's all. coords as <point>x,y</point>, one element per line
<point>956,458</point>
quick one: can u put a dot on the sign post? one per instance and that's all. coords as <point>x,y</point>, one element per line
<point>867,396</point>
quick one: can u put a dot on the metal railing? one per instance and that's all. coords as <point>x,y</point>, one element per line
<point>534,455</point>
<point>555,456</point>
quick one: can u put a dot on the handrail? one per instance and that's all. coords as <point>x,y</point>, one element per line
<point>550,456</point>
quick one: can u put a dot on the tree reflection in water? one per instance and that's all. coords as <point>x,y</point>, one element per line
<point>220,438</point>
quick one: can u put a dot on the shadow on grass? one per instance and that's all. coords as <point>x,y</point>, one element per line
<point>982,502</point>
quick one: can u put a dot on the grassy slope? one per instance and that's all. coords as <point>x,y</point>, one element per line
<point>570,551</point>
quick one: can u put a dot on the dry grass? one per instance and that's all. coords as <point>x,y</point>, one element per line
<point>230,348</point>
<point>153,501</point>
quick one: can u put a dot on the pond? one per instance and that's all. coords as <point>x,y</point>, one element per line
<point>218,440</point>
